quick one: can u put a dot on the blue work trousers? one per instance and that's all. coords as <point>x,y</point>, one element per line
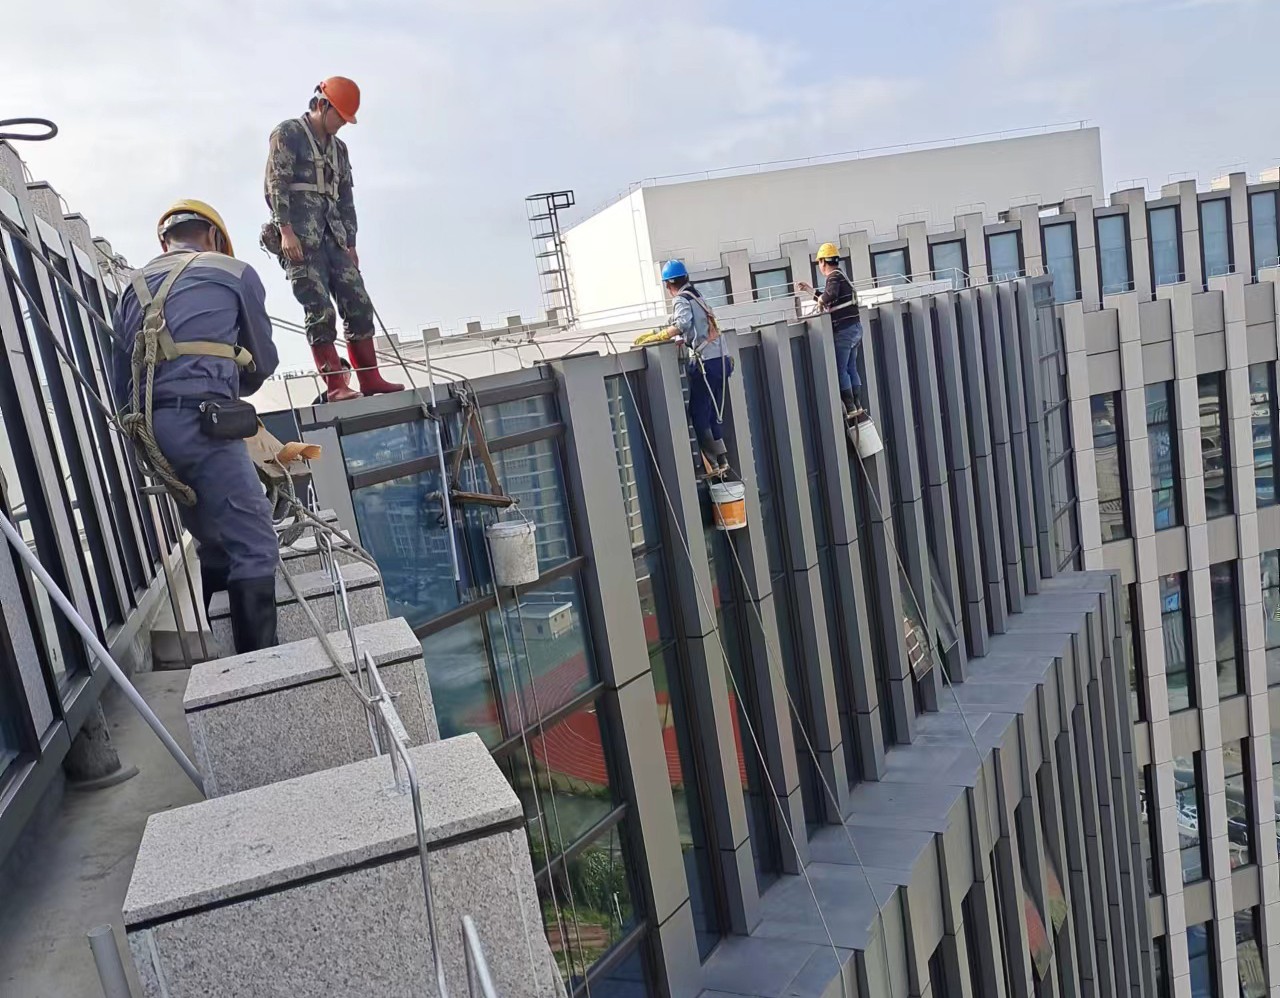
<point>231,520</point>
<point>708,385</point>
<point>848,349</point>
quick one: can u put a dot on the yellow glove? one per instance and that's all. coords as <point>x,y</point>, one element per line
<point>655,336</point>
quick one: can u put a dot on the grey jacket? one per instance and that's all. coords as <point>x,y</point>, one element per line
<point>689,314</point>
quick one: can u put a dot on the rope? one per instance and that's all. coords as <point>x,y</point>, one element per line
<point>50,129</point>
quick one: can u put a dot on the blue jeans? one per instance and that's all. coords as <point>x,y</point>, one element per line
<point>706,395</point>
<point>848,348</point>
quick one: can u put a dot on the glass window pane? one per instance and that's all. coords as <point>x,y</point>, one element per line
<point>889,267</point>
<point>1163,978</point>
<point>572,776</point>
<point>1004,255</point>
<point>1271,611</point>
<point>1149,815</point>
<point>949,263</point>
<point>1173,619</point>
<point>1215,444</point>
<point>1186,786</point>
<point>1215,237</point>
<point>1108,456</point>
<point>461,683</point>
<point>1262,406</point>
<point>1133,652</point>
<point>1249,965</point>
<point>1060,260</point>
<point>546,632</point>
<point>596,879</point>
<point>1226,629</point>
<point>1262,227</point>
<point>1113,254</point>
<point>1166,502</point>
<point>1200,956</point>
<point>1239,803</point>
<point>387,445</point>
<point>532,474</point>
<point>629,979</point>
<point>505,419</point>
<point>771,284</point>
<point>1166,245</point>
<point>714,289</point>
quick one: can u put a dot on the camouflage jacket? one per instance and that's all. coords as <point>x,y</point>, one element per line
<point>329,206</point>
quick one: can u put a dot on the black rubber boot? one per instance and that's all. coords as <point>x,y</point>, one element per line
<point>721,455</point>
<point>213,579</point>
<point>253,614</point>
<point>850,399</point>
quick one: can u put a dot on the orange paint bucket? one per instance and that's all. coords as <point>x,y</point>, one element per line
<point>729,505</point>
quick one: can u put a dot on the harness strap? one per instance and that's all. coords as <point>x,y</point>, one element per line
<point>713,327</point>
<point>328,188</point>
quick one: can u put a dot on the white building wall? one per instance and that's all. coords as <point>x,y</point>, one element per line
<point>611,263</point>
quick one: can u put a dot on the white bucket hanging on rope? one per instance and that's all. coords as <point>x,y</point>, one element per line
<point>515,554</point>
<point>864,435</point>
<point>729,505</point>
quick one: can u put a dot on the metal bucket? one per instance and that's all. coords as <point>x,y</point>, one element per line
<point>866,438</point>
<point>729,505</point>
<point>515,555</point>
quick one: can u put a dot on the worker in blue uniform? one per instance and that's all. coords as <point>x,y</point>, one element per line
<point>710,365</point>
<point>207,312</point>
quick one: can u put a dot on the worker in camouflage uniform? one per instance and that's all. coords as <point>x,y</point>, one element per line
<point>313,232</point>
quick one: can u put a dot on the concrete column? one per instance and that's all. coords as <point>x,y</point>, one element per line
<point>692,593</point>
<point>1017,338</point>
<point>1241,241</point>
<point>1087,250</point>
<point>613,607</point>
<point>1028,216</point>
<point>799,254</point>
<point>803,575</point>
<point>1189,210</point>
<point>955,408</point>
<point>917,236</point>
<point>1139,246</point>
<point>1034,340</point>
<point>739,264</point>
<point>856,670</point>
<point>975,245</point>
<point>856,246</point>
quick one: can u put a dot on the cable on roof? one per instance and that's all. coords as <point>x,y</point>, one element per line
<point>50,129</point>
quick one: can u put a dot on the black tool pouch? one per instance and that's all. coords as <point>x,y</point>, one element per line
<point>226,419</point>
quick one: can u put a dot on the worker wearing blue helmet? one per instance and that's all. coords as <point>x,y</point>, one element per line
<point>709,364</point>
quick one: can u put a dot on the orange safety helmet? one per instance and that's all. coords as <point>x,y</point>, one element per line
<point>343,96</point>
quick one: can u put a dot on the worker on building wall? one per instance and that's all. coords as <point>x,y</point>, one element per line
<point>710,365</point>
<point>839,299</point>
<point>215,347</point>
<point>313,232</point>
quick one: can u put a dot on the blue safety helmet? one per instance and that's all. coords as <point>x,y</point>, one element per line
<point>674,269</point>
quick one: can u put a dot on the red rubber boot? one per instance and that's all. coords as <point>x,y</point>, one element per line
<point>337,379</point>
<point>365,361</point>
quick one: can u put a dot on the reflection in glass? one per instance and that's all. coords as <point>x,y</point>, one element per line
<point>533,476</point>
<point>1060,260</point>
<point>1215,446</point>
<point>545,632</point>
<point>1262,229</point>
<point>771,284</point>
<point>1239,804</point>
<point>1249,965</point>
<point>889,267</point>
<point>1226,629</point>
<point>629,979</point>
<point>1149,815</point>
<point>1108,456</point>
<point>461,687</point>
<point>387,445</point>
<point>1215,236</point>
<point>1166,245</point>
<point>1165,500</point>
<point>1200,956</point>
<point>1113,254</point>
<point>1004,255</point>
<point>1271,613</point>
<point>715,290</point>
<point>1174,623</point>
<point>1133,655</point>
<point>1262,407</point>
<point>948,263</point>
<point>1186,777</point>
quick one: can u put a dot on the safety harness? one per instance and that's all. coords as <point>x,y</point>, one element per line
<point>326,180</point>
<point>153,345</point>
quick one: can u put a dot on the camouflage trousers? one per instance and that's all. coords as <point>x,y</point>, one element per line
<point>327,275</point>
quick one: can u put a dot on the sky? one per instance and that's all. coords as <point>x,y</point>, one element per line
<point>470,105</point>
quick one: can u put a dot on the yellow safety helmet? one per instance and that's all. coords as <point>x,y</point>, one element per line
<point>189,209</point>
<point>827,251</point>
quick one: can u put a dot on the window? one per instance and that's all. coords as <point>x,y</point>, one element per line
<point>1150,818</point>
<point>890,267</point>
<point>1166,246</point>
<point>1215,451</point>
<point>1191,845</point>
<point>1226,629</point>
<point>12,742</point>
<point>1114,268</point>
<point>768,285</point>
<point>948,262</point>
<point>1200,956</point>
<point>1262,394</point>
<point>1174,623</point>
<point>1262,230</point>
<point>1271,613</point>
<point>1235,767</point>
<point>1060,260</point>
<point>1275,781</point>
<point>1249,966</point>
<point>1163,978</point>
<point>1215,237</point>
<point>1133,651</point>
<point>1162,446</point>
<point>1004,255</point>
<point>716,290</point>
<point>1108,458</point>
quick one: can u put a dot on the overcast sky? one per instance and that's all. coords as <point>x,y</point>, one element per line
<point>469,105</point>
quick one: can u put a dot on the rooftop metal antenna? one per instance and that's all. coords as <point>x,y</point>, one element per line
<point>548,249</point>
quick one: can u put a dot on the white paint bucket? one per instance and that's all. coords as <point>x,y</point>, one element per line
<point>515,555</point>
<point>866,437</point>
<point>729,505</point>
